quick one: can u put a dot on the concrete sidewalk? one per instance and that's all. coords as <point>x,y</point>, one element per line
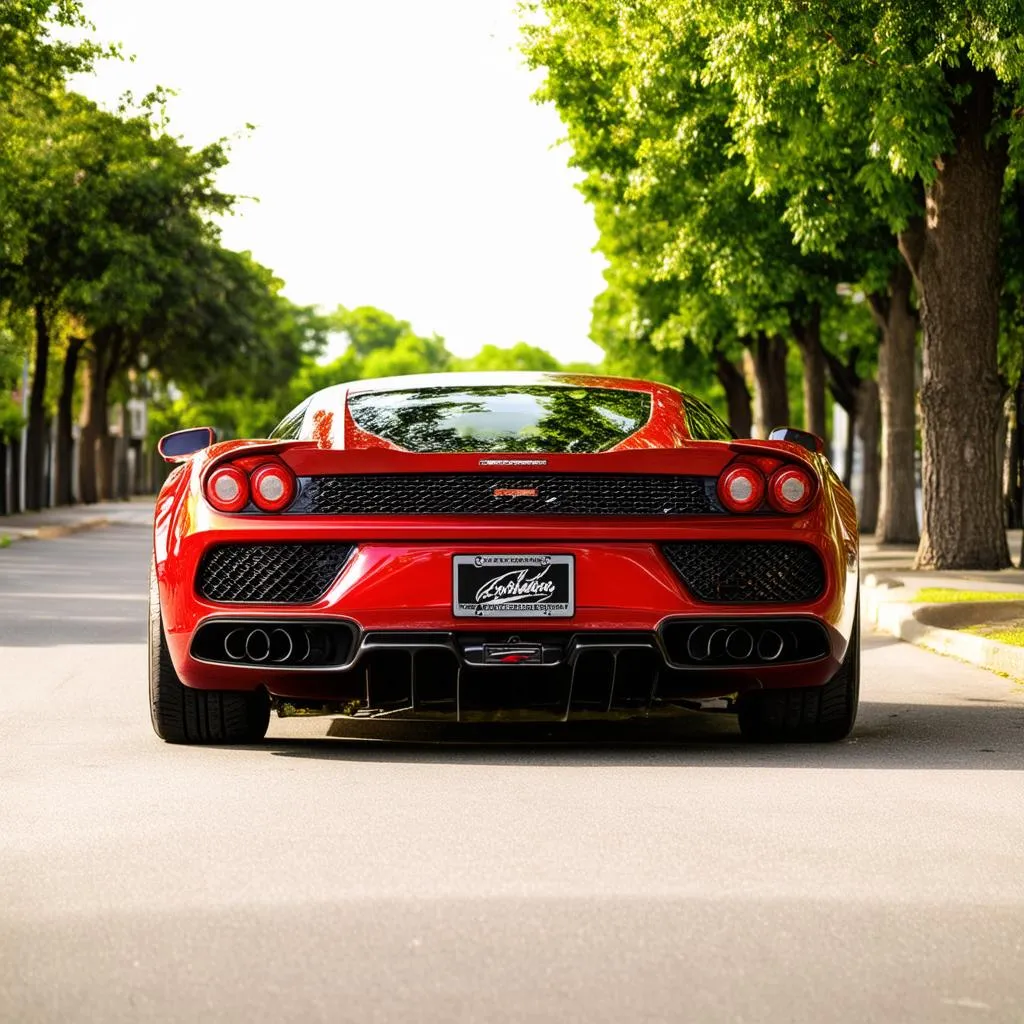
<point>888,603</point>
<point>898,560</point>
<point>59,522</point>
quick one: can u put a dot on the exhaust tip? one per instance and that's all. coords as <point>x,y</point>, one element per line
<point>257,645</point>
<point>234,644</point>
<point>769,645</point>
<point>281,645</point>
<point>696,649</point>
<point>739,645</point>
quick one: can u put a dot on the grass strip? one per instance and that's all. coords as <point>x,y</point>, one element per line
<point>950,595</point>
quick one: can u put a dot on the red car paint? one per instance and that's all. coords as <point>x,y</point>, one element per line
<point>400,575</point>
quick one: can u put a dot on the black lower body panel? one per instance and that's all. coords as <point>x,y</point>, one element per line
<point>545,676</point>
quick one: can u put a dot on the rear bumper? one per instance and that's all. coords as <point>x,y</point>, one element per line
<point>408,653</point>
<point>579,674</point>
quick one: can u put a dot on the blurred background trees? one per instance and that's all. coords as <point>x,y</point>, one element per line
<point>116,291</point>
<point>811,214</point>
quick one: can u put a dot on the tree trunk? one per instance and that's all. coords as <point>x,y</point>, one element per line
<point>897,512</point>
<point>851,436</point>
<point>35,443</point>
<point>125,483</point>
<point>94,426</point>
<point>844,383</point>
<point>46,484</point>
<point>771,397</point>
<point>1018,445</point>
<point>807,333</point>
<point>1011,518</point>
<point>14,494</point>
<point>96,464</point>
<point>869,429</point>
<point>3,478</point>
<point>737,396</point>
<point>140,472</point>
<point>107,446</point>
<point>958,274</point>
<point>65,421</point>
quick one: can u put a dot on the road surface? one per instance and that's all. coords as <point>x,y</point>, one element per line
<point>324,878</point>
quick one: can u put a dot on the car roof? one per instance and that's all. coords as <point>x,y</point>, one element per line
<point>666,425</point>
<point>508,378</point>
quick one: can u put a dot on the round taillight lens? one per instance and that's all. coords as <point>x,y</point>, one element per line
<point>790,489</point>
<point>227,489</point>
<point>741,488</point>
<point>273,487</point>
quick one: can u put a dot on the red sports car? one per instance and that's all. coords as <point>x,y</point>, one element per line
<point>514,547</point>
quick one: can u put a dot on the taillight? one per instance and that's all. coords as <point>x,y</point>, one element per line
<point>790,489</point>
<point>741,488</point>
<point>273,487</point>
<point>227,489</point>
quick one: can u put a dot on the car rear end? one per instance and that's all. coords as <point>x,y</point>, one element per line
<point>374,580</point>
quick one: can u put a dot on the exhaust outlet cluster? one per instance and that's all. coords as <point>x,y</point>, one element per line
<point>723,644</point>
<point>274,644</point>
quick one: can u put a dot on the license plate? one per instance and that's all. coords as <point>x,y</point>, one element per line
<point>514,586</point>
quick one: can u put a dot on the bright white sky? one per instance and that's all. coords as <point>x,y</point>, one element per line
<point>398,159</point>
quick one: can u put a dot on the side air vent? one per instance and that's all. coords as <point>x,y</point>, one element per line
<point>270,573</point>
<point>748,572</point>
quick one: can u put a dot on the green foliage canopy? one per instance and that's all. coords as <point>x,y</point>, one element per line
<point>32,55</point>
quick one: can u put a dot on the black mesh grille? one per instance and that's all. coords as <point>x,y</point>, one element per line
<point>563,494</point>
<point>748,572</point>
<point>270,573</point>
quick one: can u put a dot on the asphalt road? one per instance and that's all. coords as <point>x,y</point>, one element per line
<point>320,878</point>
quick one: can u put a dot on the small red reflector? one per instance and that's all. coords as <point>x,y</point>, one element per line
<point>273,487</point>
<point>790,490</point>
<point>227,489</point>
<point>741,488</point>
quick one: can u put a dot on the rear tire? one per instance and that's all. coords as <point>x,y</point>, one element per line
<point>183,715</point>
<point>807,714</point>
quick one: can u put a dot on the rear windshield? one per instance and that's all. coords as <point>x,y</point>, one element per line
<point>502,419</point>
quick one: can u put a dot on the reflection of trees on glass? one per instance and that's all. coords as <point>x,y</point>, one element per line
<point>290,427</point>
<point>591,419</point>
<point>539,418</point>
<point>702,424</point>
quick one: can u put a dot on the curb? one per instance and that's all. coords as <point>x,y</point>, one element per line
<point>53,532</point>
<point>904,620</point>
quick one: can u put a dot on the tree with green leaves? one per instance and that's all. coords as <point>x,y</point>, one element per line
<point>250,402</point>
<point>385,346</point>
<point>117,244</point>
<point>924,95</point>
<point>36,55</point>
<point>520,356</point>
<point>111,216</point>
<point>13,334</point>
<point>33,55</point>
<point>696,255</point>
<point>242,357</point>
